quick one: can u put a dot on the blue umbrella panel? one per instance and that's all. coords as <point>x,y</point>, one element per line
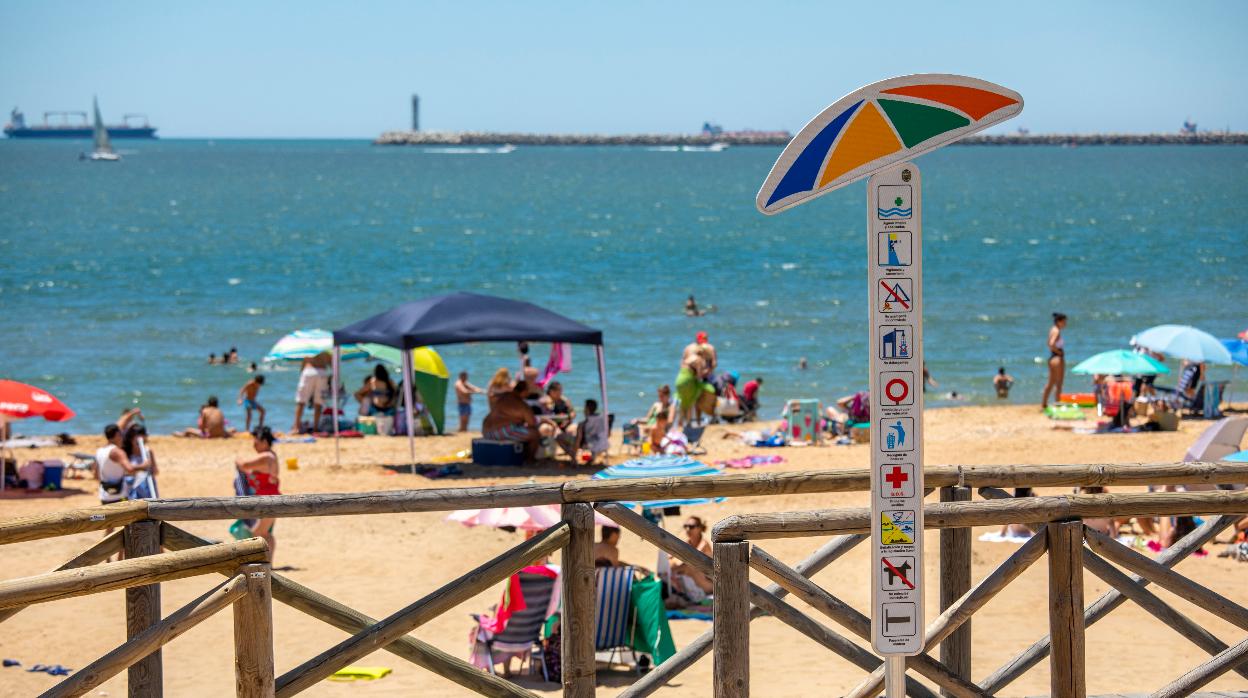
<point>661,466</point>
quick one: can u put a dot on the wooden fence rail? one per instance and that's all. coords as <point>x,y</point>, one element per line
<point>250,585</point>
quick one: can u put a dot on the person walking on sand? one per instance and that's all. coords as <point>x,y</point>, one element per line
<point>1057,360</point>
<point>1002,382</point>
<point>247,398</point>
<point>463,396</point>
<point>263,477</point>
<point>694,392</point>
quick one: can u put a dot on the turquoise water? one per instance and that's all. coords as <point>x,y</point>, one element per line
<point>118,280</point>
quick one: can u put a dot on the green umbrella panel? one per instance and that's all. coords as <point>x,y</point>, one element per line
<point>1120,362</point>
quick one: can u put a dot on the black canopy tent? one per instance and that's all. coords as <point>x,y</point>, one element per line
<point>457,318</point>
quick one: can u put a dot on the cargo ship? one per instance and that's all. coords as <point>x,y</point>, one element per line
<point>63,124</point>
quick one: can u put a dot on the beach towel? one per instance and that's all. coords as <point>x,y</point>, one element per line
<point>360,673</point>
<point>651,634</point>
<point>560,361</point>
<point>750,461</point>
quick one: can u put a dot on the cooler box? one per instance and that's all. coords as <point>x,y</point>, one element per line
<point>486,452</point>
<point>52,472</point>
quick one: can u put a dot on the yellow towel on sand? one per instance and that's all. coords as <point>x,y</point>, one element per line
<point>358,673</point>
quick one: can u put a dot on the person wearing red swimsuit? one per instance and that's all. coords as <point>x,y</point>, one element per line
<point>262,475</point>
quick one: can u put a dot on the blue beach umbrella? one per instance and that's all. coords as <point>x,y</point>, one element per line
<point>1184,342</point>
<point>661,466</point>
<point>1238,349</point>
<point>1121,362</point>
<point>1241,457</point>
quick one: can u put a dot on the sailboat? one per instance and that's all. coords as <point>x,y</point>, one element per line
<point>103,149</point>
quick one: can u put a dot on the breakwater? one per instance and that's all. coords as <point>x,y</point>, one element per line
<point>442,138</point>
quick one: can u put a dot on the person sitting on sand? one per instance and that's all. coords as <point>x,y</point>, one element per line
<point>263,477</point>
<point>211,423</point>
<point>511,419</point>
<point>1002,382</point>
<point>499,385</point>
<point>695,530</point>
<point>607,551</point>
<point>851,409</point>
<point>591,434</point>
<point>658,433</point>
<point>247,398</point>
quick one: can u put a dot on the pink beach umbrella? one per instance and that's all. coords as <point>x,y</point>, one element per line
<point>535,518</point>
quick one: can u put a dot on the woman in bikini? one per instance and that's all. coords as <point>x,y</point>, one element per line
<point>262,475</point>
<point>1057,360</point>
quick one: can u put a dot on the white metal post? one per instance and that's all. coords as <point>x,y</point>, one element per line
<point>408,402</point>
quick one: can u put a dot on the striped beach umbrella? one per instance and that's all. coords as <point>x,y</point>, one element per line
<point>304,344</point>
<point>661,466</point>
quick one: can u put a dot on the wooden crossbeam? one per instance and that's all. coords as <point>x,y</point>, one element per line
<point>347,619</point>
<point>82,681</point>
<point>1161,610</point>
<point>432,605</point>
<point>961,610</point>
<point>657,677</point>
<point>129,573</point>
<point>1112,599</point>
<point>64,523</point>
<point>106,548</point>
<point>854,620</point>
<point>1168,579</point>
<point>799,621</point>
<point>1188,683</point>
<point>995,513</point>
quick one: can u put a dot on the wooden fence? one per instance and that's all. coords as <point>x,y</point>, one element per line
<point>148,528</point>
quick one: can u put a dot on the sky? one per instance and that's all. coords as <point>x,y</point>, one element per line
<point>337,69</point>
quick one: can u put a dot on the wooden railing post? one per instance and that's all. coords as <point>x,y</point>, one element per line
<point>577,622</point>
<point>253,634</point>
<point>145,678</point>
<point>1066,660</point>
<point>732,620</point>
<point>955,580</point>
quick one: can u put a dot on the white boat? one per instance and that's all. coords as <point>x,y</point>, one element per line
<point>712,148</point>
<point>103,151</point>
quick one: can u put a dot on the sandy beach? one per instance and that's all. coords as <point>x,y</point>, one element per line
<point>379,564</point>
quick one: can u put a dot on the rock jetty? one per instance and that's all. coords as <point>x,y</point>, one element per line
<point>440,138</point>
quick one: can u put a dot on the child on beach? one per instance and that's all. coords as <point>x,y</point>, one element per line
<point>247,398</point>
<point>463,398</point>
<point>591,435</point>
<point>263,477</point>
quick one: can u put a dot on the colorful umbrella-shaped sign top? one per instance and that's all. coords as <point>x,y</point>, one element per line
<point>1121,362</point>
<point>304,344</point>
<point>879,125</point>
<point>661,466</point>
<point>1184,342</point>
<point>21,401</point>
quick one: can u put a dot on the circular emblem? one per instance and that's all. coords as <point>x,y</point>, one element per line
<point>905,175</point>
<point>896,390</point>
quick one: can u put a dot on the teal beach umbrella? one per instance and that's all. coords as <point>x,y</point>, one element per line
<point>1121,362</point>
<point>304,344</point>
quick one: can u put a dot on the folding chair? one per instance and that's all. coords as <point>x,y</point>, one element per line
<point>615,617</point>
<point>523,634</point>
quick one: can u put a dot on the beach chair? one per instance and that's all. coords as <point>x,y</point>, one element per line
<point>614,617</point>
<point>694,436</point>
<point>632,440</point>
<point>82,465</point>
<point>523,635</point>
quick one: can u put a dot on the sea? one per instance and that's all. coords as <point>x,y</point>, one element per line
<point>117,280</point>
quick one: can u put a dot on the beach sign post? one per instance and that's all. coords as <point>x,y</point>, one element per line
<point>874,132</point>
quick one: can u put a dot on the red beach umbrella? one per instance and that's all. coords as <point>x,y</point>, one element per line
<point>1244,335</point>
<point>20,401</point>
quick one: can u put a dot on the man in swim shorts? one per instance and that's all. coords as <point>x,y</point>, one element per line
<point>694,392</point>
<point>463,397</point>
<point>247,398</point>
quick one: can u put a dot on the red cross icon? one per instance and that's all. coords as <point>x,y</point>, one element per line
<point>897,478</point>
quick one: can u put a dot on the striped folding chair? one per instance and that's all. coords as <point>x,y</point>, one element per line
<point>523,634</point>
<point>615,616</point>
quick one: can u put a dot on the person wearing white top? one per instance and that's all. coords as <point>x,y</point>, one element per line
<point>112,467</point>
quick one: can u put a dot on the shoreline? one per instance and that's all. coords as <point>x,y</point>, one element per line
<point>495,138</point>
